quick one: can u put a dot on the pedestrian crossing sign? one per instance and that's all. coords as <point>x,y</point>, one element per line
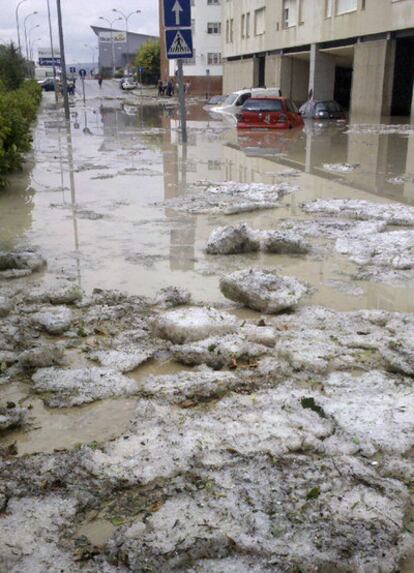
<point>179,43</point>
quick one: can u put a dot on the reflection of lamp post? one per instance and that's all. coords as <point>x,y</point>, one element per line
<point>126,27</point>
<point>32,46</point>
<point>25,33</point>
<point>17,25</point>
<point>111,24</point>
<point>30,39</point>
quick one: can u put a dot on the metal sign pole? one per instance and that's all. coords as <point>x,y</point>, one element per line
<point>181,97</point>
<point>52,51</point>
<point>63,62</point>
<point>83,89</point>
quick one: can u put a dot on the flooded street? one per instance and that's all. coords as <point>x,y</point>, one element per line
<point>97,207</point>
<point>206,351</point>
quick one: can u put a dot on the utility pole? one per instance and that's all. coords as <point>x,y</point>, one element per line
<point>52,51</point>
<point>63,62</point>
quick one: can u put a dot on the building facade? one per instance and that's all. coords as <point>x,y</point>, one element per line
<point>117,48</point>
<point>359,52</point>
<point>204,72</point>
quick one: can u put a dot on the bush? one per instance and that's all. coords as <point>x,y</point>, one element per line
<point>12,67</point>
<point>17,111</point>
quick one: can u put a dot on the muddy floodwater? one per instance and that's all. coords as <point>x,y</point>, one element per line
<point>97,206</point>
<point>206,351</point>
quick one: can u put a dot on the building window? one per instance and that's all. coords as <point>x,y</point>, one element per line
<point>213,58</point>
<point>259,21</point>
<point>231,30</point>
<point>213,2</point>
<point>344,6</point>
<point>243,26</point>
<point>248,25</point>
<point>193,26</point>
<point>289,13</point>
<point>328,8</point>
<point>214,28</point>
<point>227,31</point>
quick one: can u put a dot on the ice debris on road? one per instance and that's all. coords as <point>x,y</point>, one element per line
<point>391,213</point>
<point>231,198</point>
<point>236,239</point>
<point>263,290</point>
<point>64,388</point>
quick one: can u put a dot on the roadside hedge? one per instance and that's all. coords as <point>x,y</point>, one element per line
<point>18,110</point>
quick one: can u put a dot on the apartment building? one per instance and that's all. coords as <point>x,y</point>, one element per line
<point>204,71</point>
<point>359,52</point>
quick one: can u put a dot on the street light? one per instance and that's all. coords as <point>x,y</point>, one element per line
<point>126,17</point>
<point>25,32</point>
<point>111,23</point>
<point>93,50</point>
<point>32,46</point>
<point>17,25</point>
<point>29,36</point>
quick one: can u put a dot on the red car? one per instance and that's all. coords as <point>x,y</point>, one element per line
<point>269,113</point>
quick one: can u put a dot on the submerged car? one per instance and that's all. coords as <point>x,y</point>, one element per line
<point>322,109</point>
<point>233,102</point>
<point>269,113</point>
<point>128,84</point>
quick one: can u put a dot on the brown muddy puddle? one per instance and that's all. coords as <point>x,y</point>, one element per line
<point>93,204</point>
<point>51,429</point>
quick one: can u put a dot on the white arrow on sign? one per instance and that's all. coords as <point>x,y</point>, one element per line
<point>177,9</point>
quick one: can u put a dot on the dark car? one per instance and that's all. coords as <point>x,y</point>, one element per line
<point>47,85</point>
<point>318,109</point>
<point>269,113</point>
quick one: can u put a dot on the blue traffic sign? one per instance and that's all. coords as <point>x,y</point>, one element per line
<point>179,44</point>
<point>82,73</point>
<point>177,13</point>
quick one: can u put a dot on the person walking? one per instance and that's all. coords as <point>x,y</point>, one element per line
<point>100,80</point>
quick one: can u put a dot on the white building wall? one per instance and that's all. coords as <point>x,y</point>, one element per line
<point>203,13</point>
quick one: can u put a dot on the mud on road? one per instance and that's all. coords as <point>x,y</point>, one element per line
<point>206,359</point>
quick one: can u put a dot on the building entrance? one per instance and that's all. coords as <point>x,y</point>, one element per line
<point>403,77</point>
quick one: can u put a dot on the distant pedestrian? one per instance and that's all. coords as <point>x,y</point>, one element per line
<point>100,80</point>
<point>160,88</point>
<point>170,88</point>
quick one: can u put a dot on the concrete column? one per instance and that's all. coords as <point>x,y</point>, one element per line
<point>321,74</point>
<point>373,78</point>
<point>289,74</point>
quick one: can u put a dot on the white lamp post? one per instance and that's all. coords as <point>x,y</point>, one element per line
<point>126,17</point>
<point>111,24</point>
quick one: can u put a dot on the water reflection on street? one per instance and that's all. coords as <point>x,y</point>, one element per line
<point>93,198</point>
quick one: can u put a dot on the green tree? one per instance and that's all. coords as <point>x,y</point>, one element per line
<point>148,58</point>
<point>12,67</point>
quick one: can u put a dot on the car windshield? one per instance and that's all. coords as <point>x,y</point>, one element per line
<point>328,106</point>
<point>231,99</point>
<point>263,105</point>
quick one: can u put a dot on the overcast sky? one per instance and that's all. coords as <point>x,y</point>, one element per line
<point>78,16</point>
